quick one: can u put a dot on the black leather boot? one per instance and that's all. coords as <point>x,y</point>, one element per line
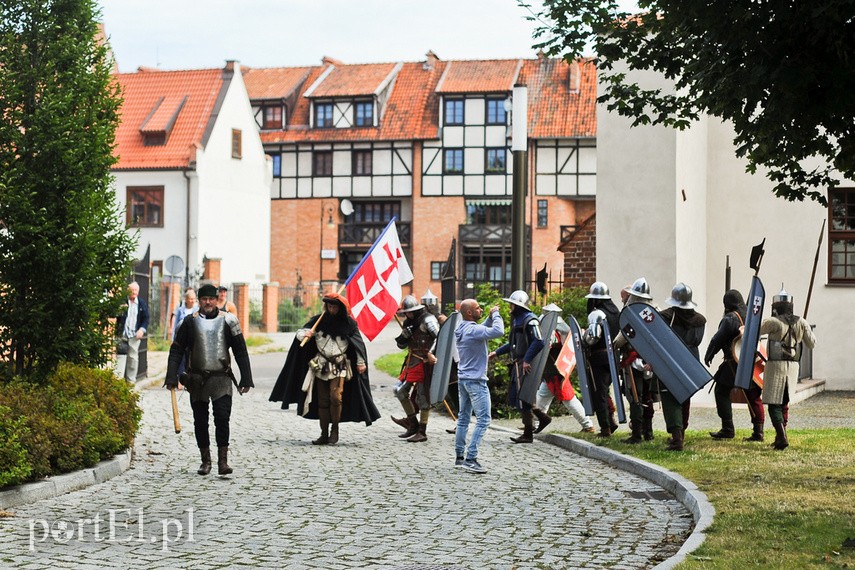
<point>412,427</point>
<point>635,437</point>
<point>726,431</point>
<point>528,428</point>
<point>647,429</point>
<point>205,468</point>
<point>420,435</point>
<point>676,440</point>
<point>757,435</point>
<point>223,462</point>
<point>543,419</point>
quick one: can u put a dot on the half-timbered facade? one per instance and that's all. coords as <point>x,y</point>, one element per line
<point>429,143</point>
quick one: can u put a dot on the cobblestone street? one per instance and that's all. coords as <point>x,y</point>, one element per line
<point>372,501</point>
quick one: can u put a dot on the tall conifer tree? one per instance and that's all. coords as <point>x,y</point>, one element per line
<point>64,251</point>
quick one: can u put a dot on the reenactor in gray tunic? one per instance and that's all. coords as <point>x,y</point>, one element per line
<point>207,337</point>
<point>786,333</point>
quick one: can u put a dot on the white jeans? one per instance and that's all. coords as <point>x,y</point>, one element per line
<point>573,405</point>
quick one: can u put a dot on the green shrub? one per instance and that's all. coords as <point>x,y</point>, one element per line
<point>292,317</point>
<point>78,417</point>
<point>13,455</point>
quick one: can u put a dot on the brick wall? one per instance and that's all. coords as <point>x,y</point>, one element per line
<point>580,255</point>
<point>545,241</point>
<point>435,222</point>
<point>295,239</point>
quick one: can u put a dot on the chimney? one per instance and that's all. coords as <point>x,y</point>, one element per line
<point>430,60</point>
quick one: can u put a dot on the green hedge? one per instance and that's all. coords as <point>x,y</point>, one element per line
<point>78,417</point>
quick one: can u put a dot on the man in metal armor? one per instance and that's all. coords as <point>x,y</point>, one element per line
<point>326,372</point>
<point>786,333</point>
<point>601,308</point>
<point>208,335</point>
<point>641,384</point>
<point>418,335</point>
<point>524,344</point>
<point>729,329</point>
<point>689,326</point>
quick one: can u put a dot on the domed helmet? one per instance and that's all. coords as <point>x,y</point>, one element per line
<point>782,296</point>
<point>681,297</point>
<point>409,305</point>
<point>639,288</point>
<point>599,290</point>
<point>518,298</point>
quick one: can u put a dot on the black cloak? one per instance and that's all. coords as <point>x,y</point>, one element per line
<point>357,404</point>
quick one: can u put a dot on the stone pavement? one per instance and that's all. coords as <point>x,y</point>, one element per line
<point>372,501</point>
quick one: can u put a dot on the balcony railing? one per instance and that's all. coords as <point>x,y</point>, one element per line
<point>363,234</point>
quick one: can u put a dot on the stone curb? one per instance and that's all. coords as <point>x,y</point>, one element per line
<point>65,483</point>
<point>686,492</point>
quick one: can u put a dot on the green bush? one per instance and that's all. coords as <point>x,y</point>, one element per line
<point>13,455</point>
<point>78,417</point>
<point>292,317</point>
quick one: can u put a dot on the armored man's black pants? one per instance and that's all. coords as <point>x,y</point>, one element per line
<point>222,408</point>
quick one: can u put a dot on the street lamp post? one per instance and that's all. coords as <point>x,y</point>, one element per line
<point>328,210</point>
<point>519,146</point>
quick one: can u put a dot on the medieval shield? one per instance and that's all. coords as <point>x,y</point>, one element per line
<point>750,334</point>
<point>581,366</point>
<point>445,350</point>
<point>610,350</point>
<point>531,381</point>
<point>655,342</point>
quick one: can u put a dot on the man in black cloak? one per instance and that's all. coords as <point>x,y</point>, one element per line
<point>328,377</point>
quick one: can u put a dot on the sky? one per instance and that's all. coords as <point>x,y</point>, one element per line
<point>194,34</point>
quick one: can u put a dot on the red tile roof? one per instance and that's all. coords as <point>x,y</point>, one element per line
<point>562,98</point>
<point>493,76</point>
<point>353,80</point>
<point>557,109</point>
<point>274,82</point>
<point>142,91</point>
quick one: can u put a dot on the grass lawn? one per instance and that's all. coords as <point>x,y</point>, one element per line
<point>774,509</point>
<point>391,363</point>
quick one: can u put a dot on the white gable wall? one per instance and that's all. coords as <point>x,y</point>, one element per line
<point>644,228</point>
<point>234,194</point>
<point>171,239</point>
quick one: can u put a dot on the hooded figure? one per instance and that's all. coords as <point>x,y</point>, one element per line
<point>328,377</point>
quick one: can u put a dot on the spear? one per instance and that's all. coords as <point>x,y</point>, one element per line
<point>813,273</point>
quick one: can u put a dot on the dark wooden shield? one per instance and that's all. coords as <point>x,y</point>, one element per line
<point>655,342</point>
<point>531,381</point>
<point>581,366</point>
<point>750,334</point>
<point>444,358</point>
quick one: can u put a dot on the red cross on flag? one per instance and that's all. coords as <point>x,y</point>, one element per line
<point>566,360</point>
<point>374,287</point>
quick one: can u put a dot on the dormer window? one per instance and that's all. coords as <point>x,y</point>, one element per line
<point>271,116</point>
<point>363,114</point>
<point>160,120</point>
<point>453,114</point>
<point>323,115</point>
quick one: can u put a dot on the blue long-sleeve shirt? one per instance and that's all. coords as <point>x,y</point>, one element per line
<point>472,347</point>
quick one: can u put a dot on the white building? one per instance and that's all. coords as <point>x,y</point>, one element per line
<point>191,175</point>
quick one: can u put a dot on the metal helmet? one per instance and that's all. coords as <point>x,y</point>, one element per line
<point>409,305</point>
<point>782,296</point>
<point>429,298</point>
<point>681,297</point>
<point>599,290</point>
<point>518,298</point>
<point>639,288</point>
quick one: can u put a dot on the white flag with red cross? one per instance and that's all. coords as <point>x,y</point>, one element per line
<point>374,287</point>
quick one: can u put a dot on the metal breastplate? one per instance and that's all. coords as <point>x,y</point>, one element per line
<point>210,352</point>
